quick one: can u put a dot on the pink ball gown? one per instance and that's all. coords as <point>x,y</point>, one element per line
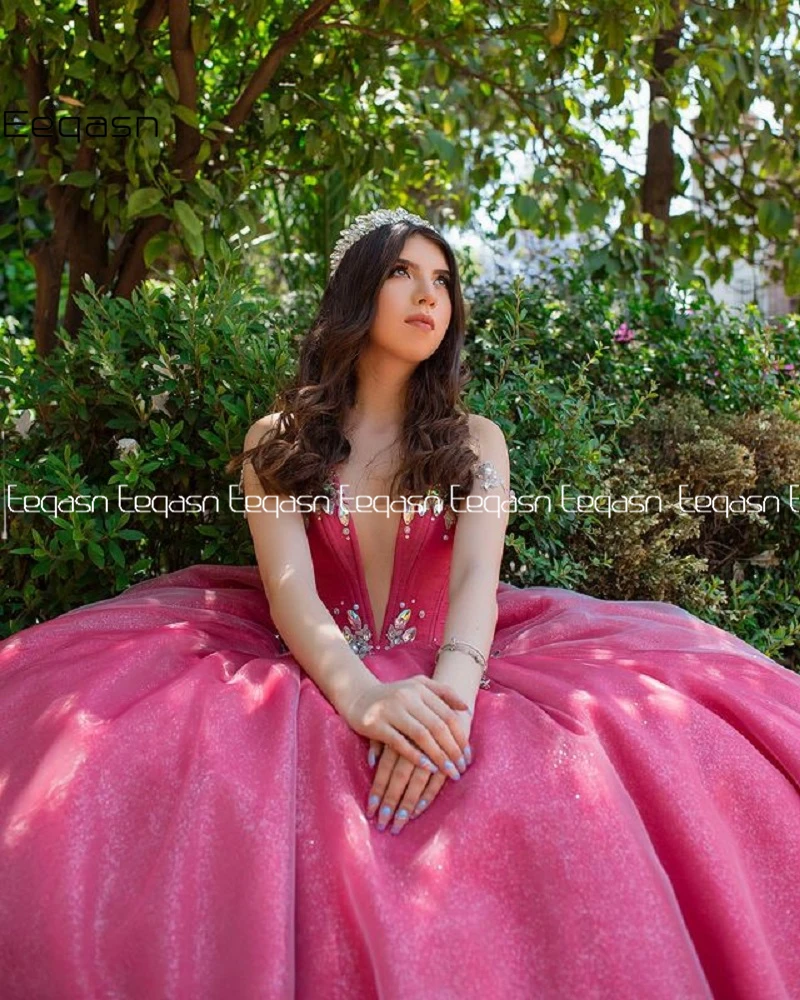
<point>182,812</point>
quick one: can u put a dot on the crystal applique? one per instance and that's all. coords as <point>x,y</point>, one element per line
<point>489,477</point>
<point>359,636</point>
<point>397,631</point>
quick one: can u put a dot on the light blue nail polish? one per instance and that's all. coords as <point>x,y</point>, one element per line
<point>373,801</point>
<point>429,764</point>
<point>452,770</point>
<point>462,764</point>
<point>468,753</point>
<point>420,806</point>
<point>399,820</point>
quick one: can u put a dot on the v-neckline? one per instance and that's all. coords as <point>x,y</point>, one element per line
<point>362,576</point>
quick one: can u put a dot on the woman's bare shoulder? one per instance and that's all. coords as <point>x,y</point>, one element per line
<point>259,429</point>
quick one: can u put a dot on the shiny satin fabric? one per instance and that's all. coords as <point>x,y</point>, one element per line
<point>182,812</point>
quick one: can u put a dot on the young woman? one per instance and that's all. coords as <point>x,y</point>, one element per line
<point>197,777</point>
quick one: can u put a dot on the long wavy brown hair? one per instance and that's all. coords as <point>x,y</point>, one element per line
<point>295,457</point>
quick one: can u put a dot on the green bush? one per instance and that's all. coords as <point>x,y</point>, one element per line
<point>152,396</point>
<point>652,414</point>
<point>182,371</point>
<point>731,359</point>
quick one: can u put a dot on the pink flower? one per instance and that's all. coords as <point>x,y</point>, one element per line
<point>789,367</point>
<point>624,334</point>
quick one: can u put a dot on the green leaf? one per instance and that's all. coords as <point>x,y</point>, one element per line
<point>527,208</point>
<point>155,247</point>
<point>191,227</point>
<point>443,148</point>
<point>441,72</point>
<point>186,115</point>
<point>80,178</point>
<point>187,218</point>
<point>116,553</point>
<point>97,555</point>
<point>792,283</point>
<point>201,32</point>
<point>55,167</point>
<point>142,200</point>
<point>171,82</point>
<point>774,219</point>
<point>616,90</point>
<point>209,190</point>
<point>590,213</point>
<point>103,51</point>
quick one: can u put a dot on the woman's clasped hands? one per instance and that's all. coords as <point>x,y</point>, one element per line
<point>423,729</point>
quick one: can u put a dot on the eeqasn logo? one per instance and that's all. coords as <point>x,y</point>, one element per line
<point>96,126</point>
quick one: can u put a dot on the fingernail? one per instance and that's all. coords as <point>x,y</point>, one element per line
<point>468,753</point>
<point>462,764</point>
<point>400,820</point>
<point>425,762</point>
<point>420,806</point>
<point>452,770</point>
<point>386,812</point>
<point>372,758</point>
<point>372,805</point>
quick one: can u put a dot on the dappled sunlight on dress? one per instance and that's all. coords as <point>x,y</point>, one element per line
<point>182,812</point>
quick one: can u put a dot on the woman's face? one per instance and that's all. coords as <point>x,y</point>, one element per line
<point>418,282</point>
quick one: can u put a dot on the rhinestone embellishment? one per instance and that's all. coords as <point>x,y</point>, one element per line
<point>397,631</point>
<point>358,635</point>
<point>365,224</point>
<point>489,477</point>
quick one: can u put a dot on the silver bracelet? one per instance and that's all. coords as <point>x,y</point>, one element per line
<point>461,646</point>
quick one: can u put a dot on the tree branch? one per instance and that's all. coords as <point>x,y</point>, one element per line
<point>262,77</point>
<point>95,28</point>
<point>187,137</point>
<point>152,15</point>
<point>445,54</point>
<point>709,162</point>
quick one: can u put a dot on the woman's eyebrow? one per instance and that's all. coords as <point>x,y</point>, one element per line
<point>410,263</point>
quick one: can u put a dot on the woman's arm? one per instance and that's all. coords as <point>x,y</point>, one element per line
<point>417,716</point>
<point>475,565</point>
<point>287,572</point>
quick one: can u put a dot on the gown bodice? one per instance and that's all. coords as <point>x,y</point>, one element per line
<point>417,603</point>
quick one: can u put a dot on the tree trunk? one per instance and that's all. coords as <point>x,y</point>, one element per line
<point>48,292</point>
<point>88,254</point>
<point>658,185</point>
<point>80,239</point>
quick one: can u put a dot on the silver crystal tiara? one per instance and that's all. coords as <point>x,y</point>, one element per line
<point>365,224</point>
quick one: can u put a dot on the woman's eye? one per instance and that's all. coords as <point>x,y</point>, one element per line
<point>402,267</point>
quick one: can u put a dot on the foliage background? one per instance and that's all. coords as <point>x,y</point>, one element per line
<point>581,402</point>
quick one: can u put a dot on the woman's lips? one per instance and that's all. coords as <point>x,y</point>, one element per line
<point>421,324</point>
